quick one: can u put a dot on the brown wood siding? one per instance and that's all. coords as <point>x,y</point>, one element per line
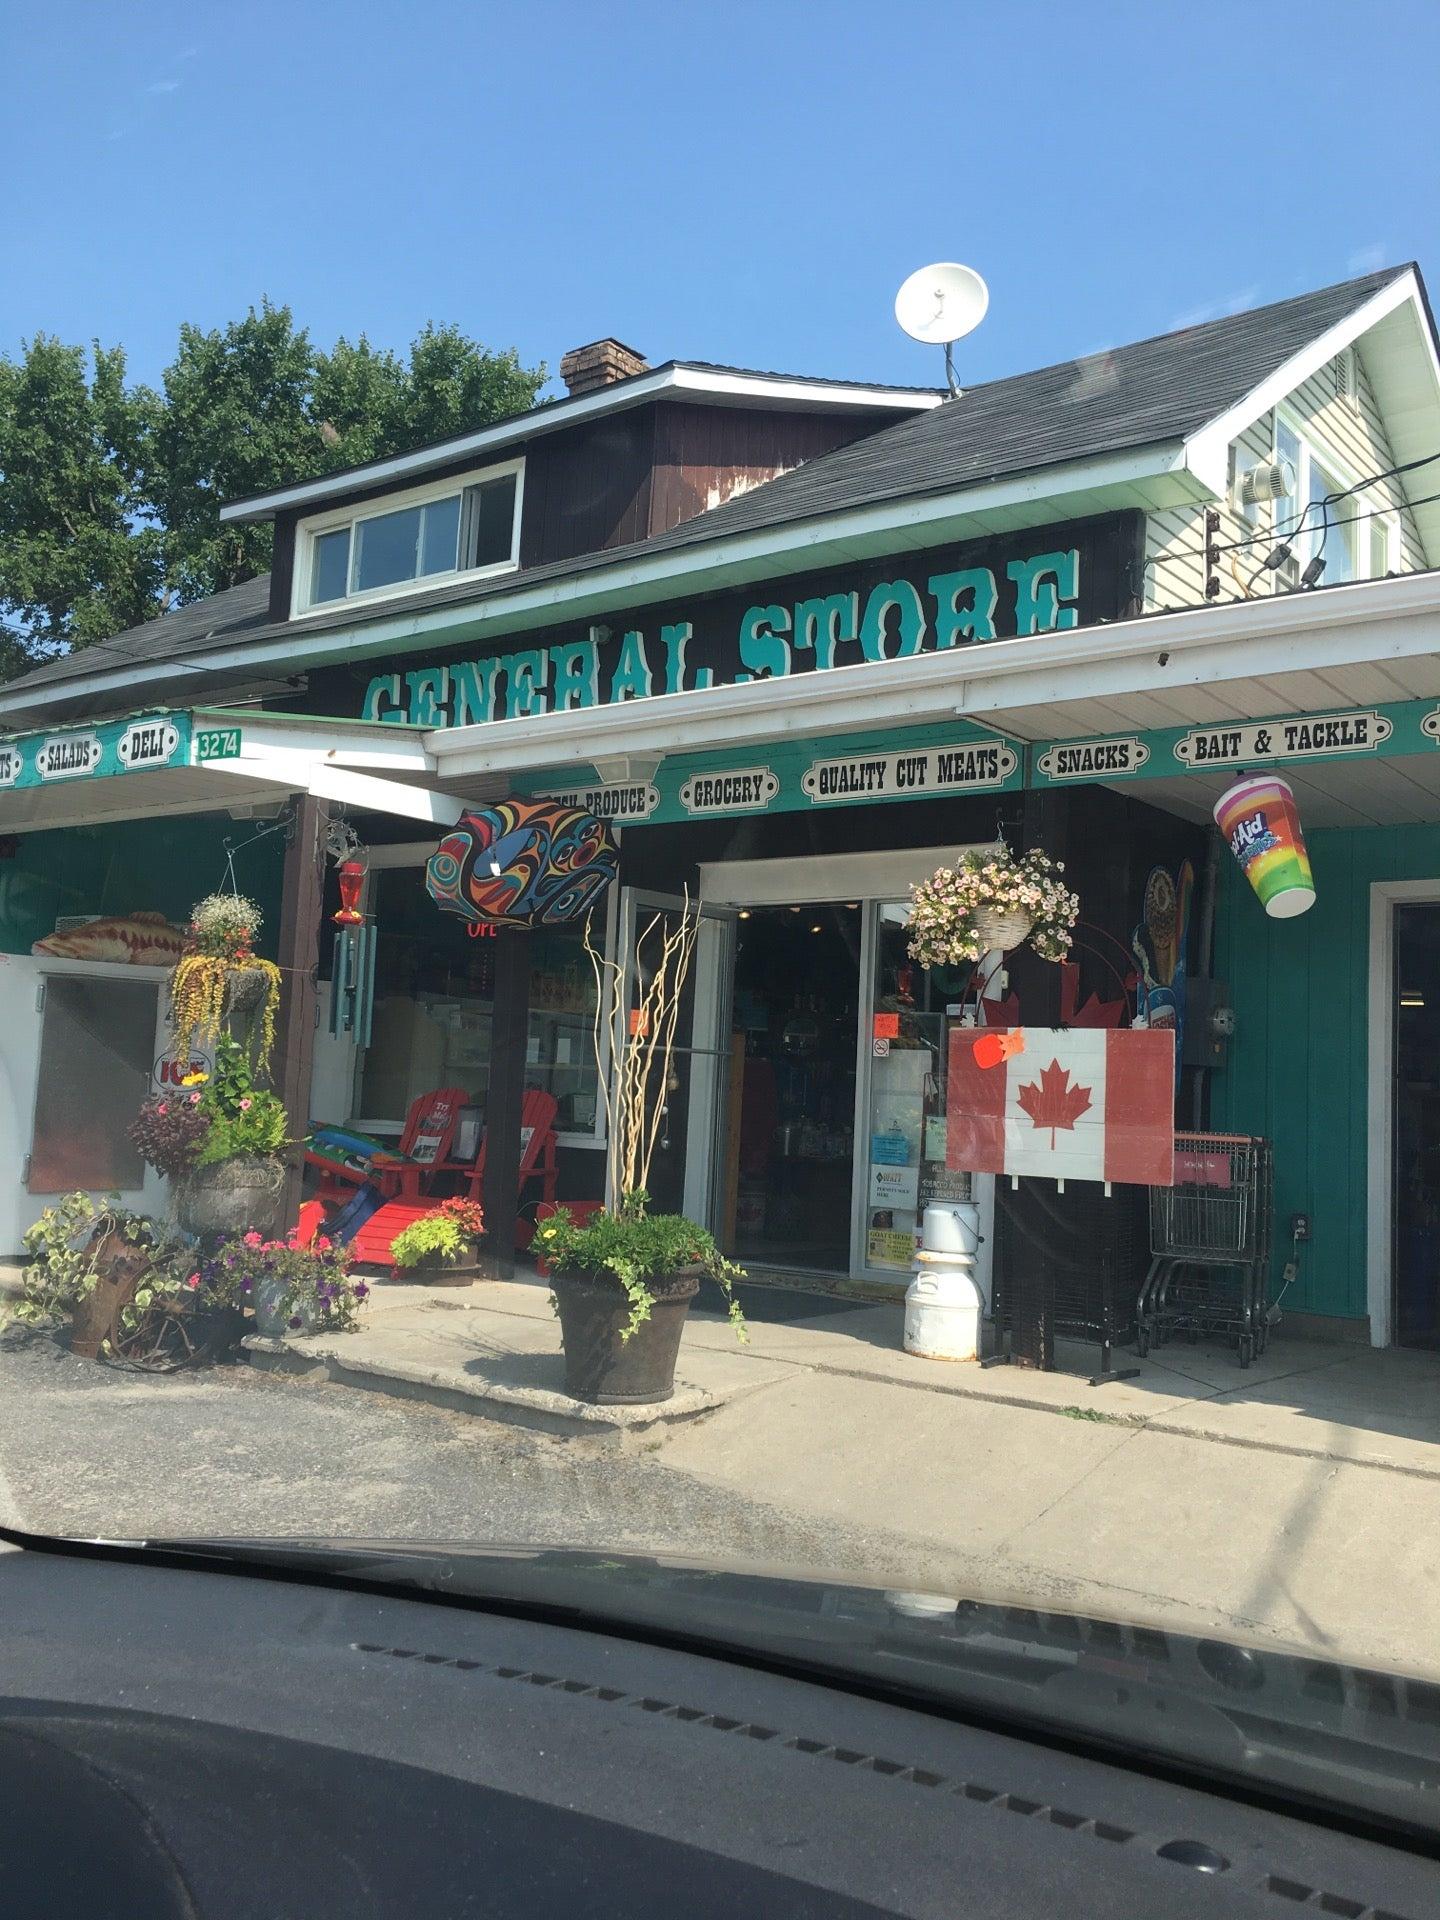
<point>282,565</point>
<point>587,487</point>
<point>706,455</point>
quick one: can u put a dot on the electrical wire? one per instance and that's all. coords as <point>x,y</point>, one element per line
<point>1279,533</point>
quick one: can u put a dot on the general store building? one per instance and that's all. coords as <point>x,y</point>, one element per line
<point>801,641</point>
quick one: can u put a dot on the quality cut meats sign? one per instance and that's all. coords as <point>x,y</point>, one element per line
<point>1062,1104</point>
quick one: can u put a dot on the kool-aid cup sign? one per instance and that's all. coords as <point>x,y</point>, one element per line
<point>1259,818</point>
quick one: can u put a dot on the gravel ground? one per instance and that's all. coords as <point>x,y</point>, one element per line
<point>87,1450</point>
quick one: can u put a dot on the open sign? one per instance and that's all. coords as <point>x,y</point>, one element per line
<point>170,1069</point>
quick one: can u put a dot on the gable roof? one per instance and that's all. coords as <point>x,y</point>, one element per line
<point>1159,392</point>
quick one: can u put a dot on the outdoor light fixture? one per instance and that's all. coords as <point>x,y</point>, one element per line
<point>1412,999</point>
<point>1313,571</point>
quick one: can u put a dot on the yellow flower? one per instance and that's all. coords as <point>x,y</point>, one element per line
<point>195,1079</point>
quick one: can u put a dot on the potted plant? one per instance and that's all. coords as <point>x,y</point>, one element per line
<point>442,1247</point>
<point>993,899</point>
<point>290,1288</point>
<point>220,977</point>
<point>236,1178</point>
<point>170,1130</point>
<point>622,1284</point>
<point>622,1281</point>
<point>84,1261</point>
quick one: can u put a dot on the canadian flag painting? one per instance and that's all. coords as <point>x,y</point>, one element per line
<point>1066,1103</point>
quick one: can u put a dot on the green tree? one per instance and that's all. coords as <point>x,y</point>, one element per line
<point>110,495</point>
<point>80,554</point>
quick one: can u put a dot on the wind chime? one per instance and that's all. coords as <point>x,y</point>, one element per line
<point>352,974</point>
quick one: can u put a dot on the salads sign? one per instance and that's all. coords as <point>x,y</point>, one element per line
<point>1046,580</point>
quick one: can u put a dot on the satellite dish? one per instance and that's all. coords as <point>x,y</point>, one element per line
<point>940,304</point>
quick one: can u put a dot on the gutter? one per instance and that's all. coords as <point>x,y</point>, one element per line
<point>1368,622</point>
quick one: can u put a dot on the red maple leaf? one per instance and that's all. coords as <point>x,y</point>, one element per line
<point>1052,1102</point>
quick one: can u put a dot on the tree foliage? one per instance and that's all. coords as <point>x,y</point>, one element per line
<point>110,493</point>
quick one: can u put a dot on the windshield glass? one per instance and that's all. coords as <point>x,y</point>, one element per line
<point>803,936</point>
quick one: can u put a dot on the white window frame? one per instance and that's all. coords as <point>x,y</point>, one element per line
<point>1344,476</point>
<point>414,853</point>
<point>307,532</point>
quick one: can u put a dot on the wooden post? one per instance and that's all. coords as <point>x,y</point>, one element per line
<point>302,899</point>
<point>510,1024</point>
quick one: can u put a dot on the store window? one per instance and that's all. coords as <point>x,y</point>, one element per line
<point>911,1010</point>
<point>459,526</point>
<point>432,1023</point>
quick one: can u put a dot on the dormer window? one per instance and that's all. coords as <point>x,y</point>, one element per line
<point>466,526</point>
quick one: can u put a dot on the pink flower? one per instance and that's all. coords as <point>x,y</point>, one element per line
<point>162,1108</point>
<point>193,1281</point>
<point>194,1099</point>
<point>322,1245</point>
<point>246,1104</point>
<point>252,1239</point>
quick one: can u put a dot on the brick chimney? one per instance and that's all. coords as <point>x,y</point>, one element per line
<point>600,364</point>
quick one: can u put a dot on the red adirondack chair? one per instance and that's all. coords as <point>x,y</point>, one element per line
<point>425,1147</point>
<point>371,1242</point>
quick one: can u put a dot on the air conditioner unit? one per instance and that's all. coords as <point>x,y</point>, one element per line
<point>1268,480</point>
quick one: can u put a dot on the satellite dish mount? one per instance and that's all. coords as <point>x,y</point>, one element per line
<point>939,305</point>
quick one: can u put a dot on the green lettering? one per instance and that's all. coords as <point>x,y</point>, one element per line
<point>472,688</point>
<point>1040,585</point>
<point>976,619</point>
<point>910,634</point>
<point>382,699</point>
<point>429,695</point>
<point>525,691</point>
<point>763,646</point>
<point>676,641</point>
<point>822,624</point>
<point>575,667</point>
<point>632,670</point>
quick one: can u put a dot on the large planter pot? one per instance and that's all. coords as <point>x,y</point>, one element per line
<point>233,1196</point>
<point>273,1314</point>
<point>1000,931</point>
<point>594,1312</point>
<point>436,1271</point>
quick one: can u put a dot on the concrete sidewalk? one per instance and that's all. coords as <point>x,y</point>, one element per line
<point>1294,1500</point>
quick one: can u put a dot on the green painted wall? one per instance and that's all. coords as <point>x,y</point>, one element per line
<point>164,865</point>
<point>1297,1065</point>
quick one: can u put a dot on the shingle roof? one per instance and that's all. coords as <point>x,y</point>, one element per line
<point>1157,390</point>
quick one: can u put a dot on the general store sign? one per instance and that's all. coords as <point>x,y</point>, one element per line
<point>1043,580</point>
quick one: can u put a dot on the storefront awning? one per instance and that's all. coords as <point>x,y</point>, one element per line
<point>201,759</point>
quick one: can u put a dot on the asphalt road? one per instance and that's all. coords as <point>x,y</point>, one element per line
<point>89,1451</point>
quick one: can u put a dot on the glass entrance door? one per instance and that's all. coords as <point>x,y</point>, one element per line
<point>901,1168</point>
<point>1416,1014</point>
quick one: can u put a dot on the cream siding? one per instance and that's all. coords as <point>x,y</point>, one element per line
<point>1344,432</point>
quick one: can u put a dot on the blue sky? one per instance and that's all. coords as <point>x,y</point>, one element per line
<point>744,182</point>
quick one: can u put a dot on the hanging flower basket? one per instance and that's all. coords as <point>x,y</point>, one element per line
<point>220,979</point>
<point>992,900</point>
<point>998,932</point>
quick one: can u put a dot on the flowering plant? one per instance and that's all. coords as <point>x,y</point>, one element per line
<point>170,1130</point>
<point>241,1118</point>
<point>943,909</point>
<point>220,946</point>
<point>305,1285</point>
<point>448,1233</point>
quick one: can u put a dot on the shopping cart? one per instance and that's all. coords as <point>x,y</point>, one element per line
<point>1210,1245</point>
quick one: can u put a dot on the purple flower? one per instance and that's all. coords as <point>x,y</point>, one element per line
<point>247,1286</point>
<point>295,1320</point>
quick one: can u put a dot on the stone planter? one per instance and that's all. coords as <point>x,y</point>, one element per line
<point>599,1367</point>
<point>1000,931</point>
<point>232,1196</point>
